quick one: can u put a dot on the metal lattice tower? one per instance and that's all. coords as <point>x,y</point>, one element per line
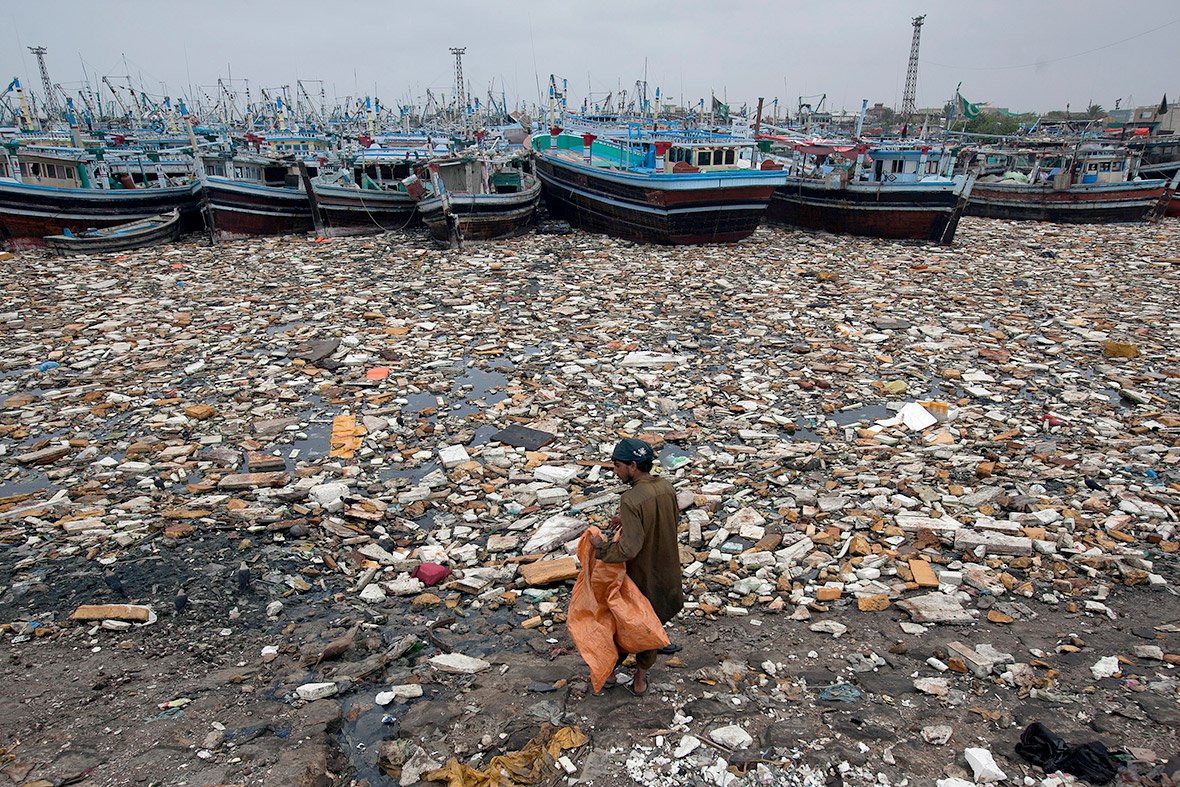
<point>460,91</point>
<point>911,75</point>
<point>47,84</point>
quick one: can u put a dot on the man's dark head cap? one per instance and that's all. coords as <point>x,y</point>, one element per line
<point>631,450</point>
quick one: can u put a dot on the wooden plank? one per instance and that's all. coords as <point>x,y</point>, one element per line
<point>546,572</point>
<point>133,612</point>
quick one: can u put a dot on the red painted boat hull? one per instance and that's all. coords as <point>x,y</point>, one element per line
<point>29,213</point>
<point>1084,204</point>
<point>908,213</point>
<point>247,209</point>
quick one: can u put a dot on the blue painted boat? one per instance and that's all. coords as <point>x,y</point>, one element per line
<point>656,188</point>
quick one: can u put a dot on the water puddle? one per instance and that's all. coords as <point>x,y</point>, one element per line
<point>313,447</point>
<point>866,414</point>
<point>23,486</point>
<point>365,725</point>
<point>284,327</point>
<point>1117,399</point>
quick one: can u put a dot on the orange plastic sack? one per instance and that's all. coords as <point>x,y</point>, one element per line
<point>608,614</point>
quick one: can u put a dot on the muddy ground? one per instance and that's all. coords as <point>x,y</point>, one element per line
<point>85,707</point>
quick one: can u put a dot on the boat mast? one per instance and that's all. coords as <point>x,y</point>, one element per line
<point>552,112</point>
<point>75,137</point>
<point>24,105</point>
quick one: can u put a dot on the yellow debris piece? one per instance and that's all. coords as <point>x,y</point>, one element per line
<point>533,764</point>
<point>346,437</point>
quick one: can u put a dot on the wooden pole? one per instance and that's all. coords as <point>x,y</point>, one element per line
<point>757,128</point>
<point>316,218</point>
<point>199,168</point>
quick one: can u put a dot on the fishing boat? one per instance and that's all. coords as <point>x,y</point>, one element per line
<point>368,193</point>
<point>1160,159</point>
<point>121,237</point>
<point>250,194</point>
<point>878,191</point>
<point>655,189</point>
<point>1079,185</point>
<point>482,197</point>
<point>243,208</point>
<point>1160,156</point>
<point>48,191</point>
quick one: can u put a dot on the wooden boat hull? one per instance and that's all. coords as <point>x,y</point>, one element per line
<point>134,235</point>
<point>243,209</point>
<point>910,211</point>
<point>482,216</point>
<point>365,209</point>
<point>704,210</point>
<point>1083,204</point>
<point>30,213</point>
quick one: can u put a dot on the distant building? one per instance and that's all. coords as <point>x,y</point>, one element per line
<point>931,112</point>
<point>1148,117</point>
<point>875,113</point>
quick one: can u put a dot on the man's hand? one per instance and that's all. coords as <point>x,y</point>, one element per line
<point>615,521</point>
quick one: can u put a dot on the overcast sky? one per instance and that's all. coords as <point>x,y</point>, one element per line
<point>1020,54</point>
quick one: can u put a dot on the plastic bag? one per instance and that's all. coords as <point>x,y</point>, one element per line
<point>608,614</point>
<point>1089,761</point>
<point>531,765</point>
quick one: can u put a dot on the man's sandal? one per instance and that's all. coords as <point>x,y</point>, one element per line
<point>631,688</point>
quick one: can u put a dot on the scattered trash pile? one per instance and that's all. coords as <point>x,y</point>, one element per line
<point>860,433</point>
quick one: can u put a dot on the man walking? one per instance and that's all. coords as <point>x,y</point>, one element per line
<point>647,540</point>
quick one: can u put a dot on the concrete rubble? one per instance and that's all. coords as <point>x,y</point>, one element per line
<point>924,502</point>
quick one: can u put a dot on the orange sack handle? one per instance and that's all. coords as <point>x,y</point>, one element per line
<point>608,614</point>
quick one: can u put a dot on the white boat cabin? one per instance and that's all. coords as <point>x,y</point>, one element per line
<point>44,169</point>
<point>705,156</point>
<point>1103,166</point>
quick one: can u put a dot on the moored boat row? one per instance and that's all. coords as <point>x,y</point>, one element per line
<point>666,187</point>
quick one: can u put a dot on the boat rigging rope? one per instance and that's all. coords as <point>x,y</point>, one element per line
<point>1053,59</point>
<point>378,224</point>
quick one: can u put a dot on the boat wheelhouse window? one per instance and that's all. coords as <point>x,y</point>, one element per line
<point>1093,167</point>
<point>70,173</point>
<point>729,156</point>
<point>704,158</point>
<point>36,167</point>
<point>1116,166</point>
<point>1105,167</point>
<point>24,168</point>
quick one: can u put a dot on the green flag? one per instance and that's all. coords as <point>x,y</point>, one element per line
<point>720,110</point>
<point>967,109</point>
<point>1163,110</point>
